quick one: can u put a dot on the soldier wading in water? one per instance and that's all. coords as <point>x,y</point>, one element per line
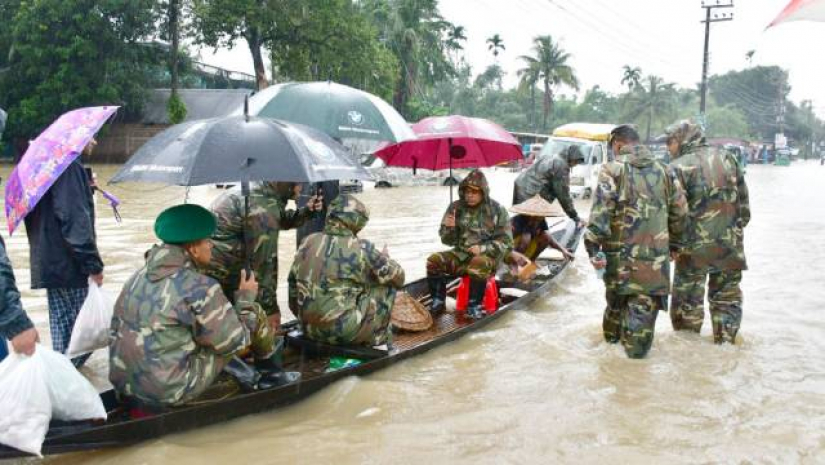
<point>719,211</point>
<point>637,218</point>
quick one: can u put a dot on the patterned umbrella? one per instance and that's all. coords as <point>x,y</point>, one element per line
<point>48,156</point>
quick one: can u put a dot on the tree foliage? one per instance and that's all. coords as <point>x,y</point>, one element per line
<point>62,55</point>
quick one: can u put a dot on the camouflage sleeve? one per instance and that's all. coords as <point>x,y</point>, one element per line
<point>677,211</point>
<point>560,183</point>
<point>501,242</point>
<point>216,322</point>
<point>598,228</point>
<point>292,292</point>
<point>449,236</point>
<point>744,197</point>
<point>385,270</point>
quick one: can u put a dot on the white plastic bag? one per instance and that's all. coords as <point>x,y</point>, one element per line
<point>25,407</point>
<point>91,329</point>
<point>73,397</point>
<point>35,389</point>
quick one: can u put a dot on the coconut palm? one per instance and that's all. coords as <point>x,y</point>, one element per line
<point>528,78</point>
<point>550,64</point>
<point>631,76</point>
<point>455,37</point>
<point>495,44</point>
<point>652,99</point>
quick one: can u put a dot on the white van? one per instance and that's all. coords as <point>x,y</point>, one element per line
<point>592,140</point>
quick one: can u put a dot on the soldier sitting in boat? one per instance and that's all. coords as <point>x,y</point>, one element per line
<point>531,234</point>
<point>173,329</point>
<point>342,288</point>
<point>478,228</point>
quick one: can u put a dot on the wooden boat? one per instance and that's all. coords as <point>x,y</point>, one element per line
<point>226,402</point>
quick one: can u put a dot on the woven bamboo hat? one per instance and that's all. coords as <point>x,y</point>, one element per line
<point>537,206</point>
<point>409,314</point>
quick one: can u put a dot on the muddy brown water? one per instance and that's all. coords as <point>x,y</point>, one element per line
<point>537,386</point>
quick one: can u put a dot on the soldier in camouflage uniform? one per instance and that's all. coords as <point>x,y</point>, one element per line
<point>173,330</point>
<point>637,217</point>
<point>268,216</point>
<point>478,228</point>
<point>342,288</point>
<point>550,178</point>
<point>719,210</point>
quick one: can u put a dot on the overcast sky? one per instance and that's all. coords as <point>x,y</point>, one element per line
<point>662,37</point>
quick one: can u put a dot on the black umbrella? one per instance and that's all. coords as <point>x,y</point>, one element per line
<point>239,149</point>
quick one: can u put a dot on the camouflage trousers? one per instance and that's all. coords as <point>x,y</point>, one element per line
<point>206,366</point>
<point>687,306</point>
<point>631,319</point>
<point>453,263</point>
<point>368,323</point>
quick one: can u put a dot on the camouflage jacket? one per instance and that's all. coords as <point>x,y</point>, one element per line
<point>267,217</point>
<point>332,269</point>
<point>550,178</point>
<point>169,321</point>
<point>718,208</point>
<point>638,215</point>
<point>486,225</point>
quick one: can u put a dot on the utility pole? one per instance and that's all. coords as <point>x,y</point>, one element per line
<point>708,19</point>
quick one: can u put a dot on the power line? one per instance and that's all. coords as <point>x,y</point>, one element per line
<point>708,20</point>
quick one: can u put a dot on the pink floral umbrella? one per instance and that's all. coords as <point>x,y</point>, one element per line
<point>48,156</point>
<point>447,142</point>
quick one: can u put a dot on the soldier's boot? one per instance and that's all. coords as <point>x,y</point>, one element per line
<point>246,375</point>
<point>475,300</point>
<point>272,372</point>
<point>438,292</point>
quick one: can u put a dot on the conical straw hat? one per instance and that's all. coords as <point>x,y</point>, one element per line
<point>537,206</point>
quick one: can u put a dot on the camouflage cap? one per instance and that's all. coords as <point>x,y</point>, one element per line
<point>685,132</point>
<point>475,180</point>
<point>185,223</point>
<point>349,212</point>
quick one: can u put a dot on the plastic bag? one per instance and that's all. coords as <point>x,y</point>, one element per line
<point>73,397</point>
<point>25,407</point>
<point>35,389</point>
<point>91,328</point>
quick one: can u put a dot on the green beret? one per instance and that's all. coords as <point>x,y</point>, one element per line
<point>185,223</point>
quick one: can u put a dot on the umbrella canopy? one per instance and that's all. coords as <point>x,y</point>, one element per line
<point>801,10</point>
<point>239,149</point>
<point>484,144</point>
<point>335,109</point>
<point>47,158</point>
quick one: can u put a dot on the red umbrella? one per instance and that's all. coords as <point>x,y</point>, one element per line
<point>801,10</point>
<point>447,142</point>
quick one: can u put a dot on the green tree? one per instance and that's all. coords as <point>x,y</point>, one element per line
<point>455,39</point>
<point>491,78</point>
<point>221,23</point>
<point>550,62</point>
<point>495,44</point>
<point>528,79</point>
<point>756,91</point>
<point>631,76</point>
<point>334,39</point>
<point>653,99</point>
<point>66,55</point>
<point>414,31</point>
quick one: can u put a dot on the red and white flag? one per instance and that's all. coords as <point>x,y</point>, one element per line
<point>801,10</point>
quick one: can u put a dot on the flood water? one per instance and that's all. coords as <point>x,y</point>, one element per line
<point>537,386</point>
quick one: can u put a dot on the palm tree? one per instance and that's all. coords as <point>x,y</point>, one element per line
<point>455,36</point>
<point>495,44</point>
<point>550,64</point>
<point>654,98</point>
<point>529,77</point>
<point>631,77</point>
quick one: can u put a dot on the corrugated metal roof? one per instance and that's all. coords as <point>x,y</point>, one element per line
<point>200,103</point>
